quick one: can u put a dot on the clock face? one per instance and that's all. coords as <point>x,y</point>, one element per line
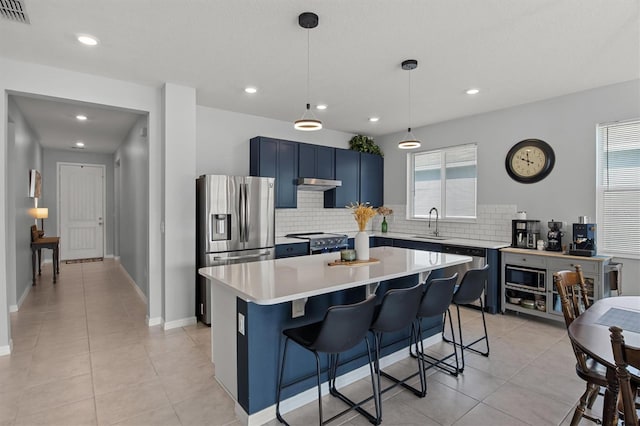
<point>530,161</point>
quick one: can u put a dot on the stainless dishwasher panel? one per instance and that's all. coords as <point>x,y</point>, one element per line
<point>479,259</point>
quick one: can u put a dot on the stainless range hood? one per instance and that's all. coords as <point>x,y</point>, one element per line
<point>314,184</point>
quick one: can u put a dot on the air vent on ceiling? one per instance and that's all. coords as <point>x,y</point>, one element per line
<point>14,10</point>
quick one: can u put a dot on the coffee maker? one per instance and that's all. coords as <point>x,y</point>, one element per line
<point>525,233</point>
<point>584,240</point>
<point>554,236</point>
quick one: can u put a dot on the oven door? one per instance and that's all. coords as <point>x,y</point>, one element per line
<point>525,278</point>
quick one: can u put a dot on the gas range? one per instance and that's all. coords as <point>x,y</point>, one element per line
<point>322,242</point>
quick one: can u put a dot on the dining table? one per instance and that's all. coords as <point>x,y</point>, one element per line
<point>590,332</point>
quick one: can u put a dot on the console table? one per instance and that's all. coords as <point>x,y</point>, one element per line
<point>37,245</point>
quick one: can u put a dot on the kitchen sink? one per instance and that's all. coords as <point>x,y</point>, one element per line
<point>431,237</point>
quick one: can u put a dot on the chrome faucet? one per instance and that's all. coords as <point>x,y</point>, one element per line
<point>430,211</point>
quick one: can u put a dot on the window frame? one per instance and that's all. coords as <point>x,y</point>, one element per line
<point>602,189</point>
<point>410,202</point>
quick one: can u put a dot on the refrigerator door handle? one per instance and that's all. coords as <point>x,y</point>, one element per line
<point>241,208</point>
<point>246,213</point>
<point>249,256</point>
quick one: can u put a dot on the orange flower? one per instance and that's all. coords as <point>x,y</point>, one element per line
<point>362,214</point>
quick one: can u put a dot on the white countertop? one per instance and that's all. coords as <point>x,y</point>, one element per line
<point>269,282</point>
<point>411,237</point>
<point>557,254</point>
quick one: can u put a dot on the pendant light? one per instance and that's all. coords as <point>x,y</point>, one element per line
<point>409,141</point>
<point>308,122</point>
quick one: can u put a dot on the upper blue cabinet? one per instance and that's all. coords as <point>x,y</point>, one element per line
<point>276,158</point>
<point>316,161</point>
<point>362,177</point>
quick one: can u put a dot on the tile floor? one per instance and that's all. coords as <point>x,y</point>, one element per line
<point>83,355</point>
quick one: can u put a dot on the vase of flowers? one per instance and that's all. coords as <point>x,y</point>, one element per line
<point>384,212</point>
<point>362,213</point>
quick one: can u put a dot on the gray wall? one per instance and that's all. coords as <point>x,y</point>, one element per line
<point>223,139</point>
<point>24,153</point>
<point>567,123</point>
<point>131,174</point>
<point>51,158</point>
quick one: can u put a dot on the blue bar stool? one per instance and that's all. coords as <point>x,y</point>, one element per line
<point>343,328</point>
<point>397,312</point>
<point>435,302</point>
<point>470,290</point>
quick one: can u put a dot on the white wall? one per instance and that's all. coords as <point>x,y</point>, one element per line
<point>567,123</point>
<point>24,153</point>
<point>51,158</point>
<point>20,77</point>
<point>131,174</point>
<point>223,139</point>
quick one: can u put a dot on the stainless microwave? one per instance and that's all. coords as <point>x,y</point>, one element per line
<point>525,278</point>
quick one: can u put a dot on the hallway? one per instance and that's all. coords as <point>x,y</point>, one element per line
<point>82,355</point>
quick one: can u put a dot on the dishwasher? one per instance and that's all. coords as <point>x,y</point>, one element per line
<point>479,259</point>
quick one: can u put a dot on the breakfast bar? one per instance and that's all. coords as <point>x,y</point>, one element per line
<point>253,302</point>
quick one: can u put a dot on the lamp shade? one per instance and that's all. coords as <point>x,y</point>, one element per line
<point>39,212</point>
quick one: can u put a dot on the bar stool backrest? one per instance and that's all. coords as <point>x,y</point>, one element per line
<point>437,297</point>
<point>344,326</point>
<point>399,307</point>
<point>471,286</point>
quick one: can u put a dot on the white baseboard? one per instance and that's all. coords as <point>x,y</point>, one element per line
<point>297,401</point>
<point>108,256</point>
<point>6,349</point>
<point>168,325</point>
<point>25,293</point>
<point>133,283</point>
<point>116,258</point>
<point>153,321</point>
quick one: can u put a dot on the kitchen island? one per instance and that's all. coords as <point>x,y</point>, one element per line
<point>253,302</point>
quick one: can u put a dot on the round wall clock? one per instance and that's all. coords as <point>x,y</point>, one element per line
<point>530,160</point>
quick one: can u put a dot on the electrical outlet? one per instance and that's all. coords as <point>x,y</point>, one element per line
<point>241,324</point>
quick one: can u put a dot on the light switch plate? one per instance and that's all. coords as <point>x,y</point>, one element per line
<point>241,324</point>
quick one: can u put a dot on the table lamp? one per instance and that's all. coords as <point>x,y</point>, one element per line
<point>41,213</point>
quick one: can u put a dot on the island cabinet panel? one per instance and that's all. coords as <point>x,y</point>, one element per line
<point>371,179</point>
<point>316,161</point>
<point>279,159</point>
<point>347,167</point>
<point>260,346</point>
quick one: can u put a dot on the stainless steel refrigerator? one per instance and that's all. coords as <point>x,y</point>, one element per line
<point>235,223</point>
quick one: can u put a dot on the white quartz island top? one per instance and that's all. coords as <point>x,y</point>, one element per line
<point>269,282</point>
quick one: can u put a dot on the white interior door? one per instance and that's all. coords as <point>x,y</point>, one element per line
<point>81,195</point>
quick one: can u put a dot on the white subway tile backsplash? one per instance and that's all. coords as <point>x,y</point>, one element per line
<point>493,222</point>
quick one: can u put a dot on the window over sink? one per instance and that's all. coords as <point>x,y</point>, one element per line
<point>445,179</point>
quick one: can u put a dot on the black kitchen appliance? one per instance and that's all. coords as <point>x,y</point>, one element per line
<point>321,242</point>
<point>554,236</point>
<point>584,240</point>
<point>525,233</point>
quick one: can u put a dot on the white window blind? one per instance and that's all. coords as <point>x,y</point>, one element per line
<point>445,179</point>
<point>619,188</point>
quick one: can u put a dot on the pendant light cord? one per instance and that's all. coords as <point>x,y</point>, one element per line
<point>308,66</point>
<point>410,117</point>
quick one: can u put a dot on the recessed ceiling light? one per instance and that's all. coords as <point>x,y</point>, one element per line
<point>321,106</point>
<point>473,91</point>
<point>87,40</point>
<point>250,89</point>
<point>374,119</point>
<point>81,117</point>
<point>80,144</point>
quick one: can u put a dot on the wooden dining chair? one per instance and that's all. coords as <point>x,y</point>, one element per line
<point>573,296</point>
<point>626,357</point>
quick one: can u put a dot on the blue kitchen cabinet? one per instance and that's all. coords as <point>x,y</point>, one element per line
<point>371,179</point>
<point>347,169</point>
<point>276,158</point>
<point>362,177</point>
<point>292,250</point>
<point>382,241</point>
<point>316,161</point>
<point>417,245</point>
